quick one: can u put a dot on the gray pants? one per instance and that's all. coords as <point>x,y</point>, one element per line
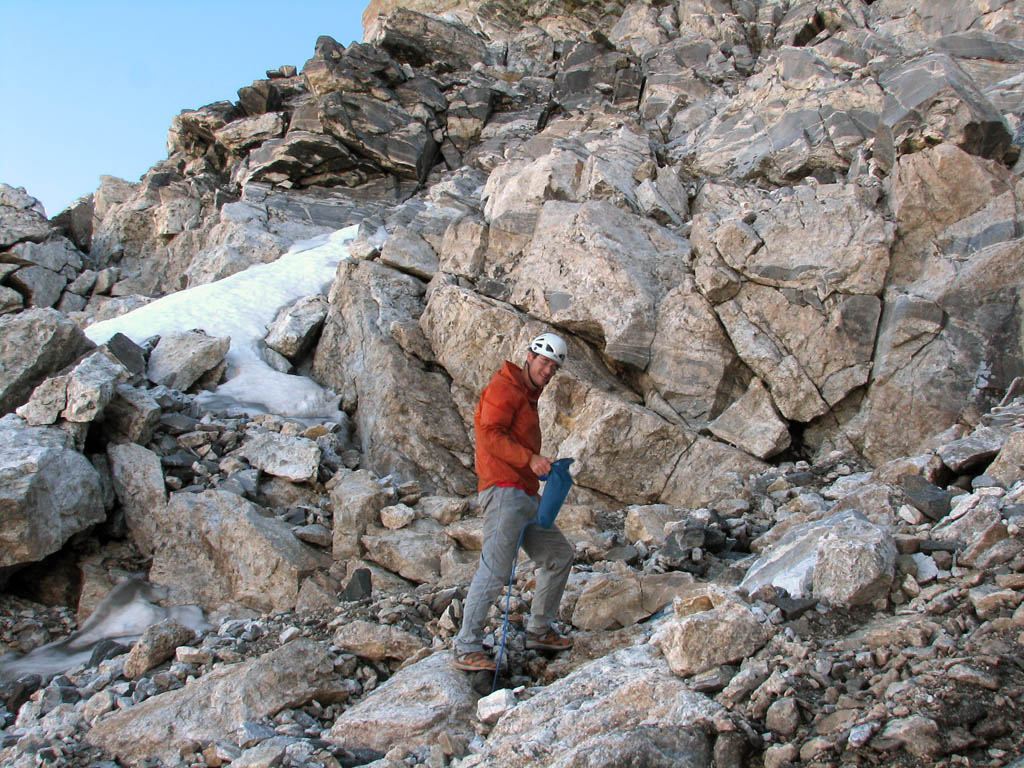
<point>506,511</point>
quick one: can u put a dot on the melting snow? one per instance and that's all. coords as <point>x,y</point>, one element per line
<point>241,306</point>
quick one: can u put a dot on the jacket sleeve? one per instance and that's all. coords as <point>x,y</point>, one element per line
<point>494,431</point>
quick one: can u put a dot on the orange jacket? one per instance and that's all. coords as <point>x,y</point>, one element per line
<point>507,431</point>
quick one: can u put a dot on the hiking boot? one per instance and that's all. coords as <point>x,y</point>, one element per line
<point>548,641</point>
<point>474,661</point>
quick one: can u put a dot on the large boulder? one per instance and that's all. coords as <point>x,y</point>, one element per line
<point>427,41</point>
<point>356,501</point>
<point>414,707</point>
<point>623,709</point>
<point>33,345</point>
<point>405,416</point>
<point>296,327</point>
<point>306,158</point>
<point>216,548</point>
<point>932,99</point>
<point>843,558</point>
<point>414,552</point>
<point>601,273</point>
<point>710,627</point>
<point>814,261</point>
<point>180,358</point>
<point>48,492</point>
<point>941,351</point>
<point>828,116</point>
<point>138,480</point>
<point>856,563</point>
<point>218,704</point>
<point>292,457</point>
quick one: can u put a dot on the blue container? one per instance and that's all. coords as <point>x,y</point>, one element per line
<point>556,487</point>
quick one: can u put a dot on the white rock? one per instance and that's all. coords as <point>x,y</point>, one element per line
<point>397,516</point>
<point>490,708</point>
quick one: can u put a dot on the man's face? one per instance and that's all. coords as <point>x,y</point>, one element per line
<point>539,369</point>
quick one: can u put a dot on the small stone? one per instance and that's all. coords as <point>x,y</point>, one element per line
<point>965,673</point>
<point>779,755</point>
<point>187,654</point>
<point>783,717</point>
<point>315,534</point>
<point>397,516</point>
<point>490,708</point>
<point>157,644</point>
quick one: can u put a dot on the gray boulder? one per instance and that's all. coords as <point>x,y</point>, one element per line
<point>131,415</point>
<point>658,719</point>
<point>216,548</point>
<point>39,286</point>
<point>157,644</point>
<point>139,484</point>
<point>347,83</point>
<point>218,704</point>
<point>753,424</point>
<point>33,345</point>
<point>305,158</point>
<point>356,502</point>
<point>405,418</point>
<point>843,558</point>
<point>920,91</point>
<point>414,707</point>
<point>710,627</point>
<point>22,217</point>
<point>179,359</point>
<point>423,40</point>
<point>48,493</point>
<point>413,552</point>
<point>91,385</point>
<point>289,456</point>
<point>295,329</point>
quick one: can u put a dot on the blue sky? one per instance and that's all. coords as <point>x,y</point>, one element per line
<point>90,86</point>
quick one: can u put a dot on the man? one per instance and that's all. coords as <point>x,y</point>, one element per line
<point>508,464</point>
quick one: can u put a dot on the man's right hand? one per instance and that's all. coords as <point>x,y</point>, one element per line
<point>540,465</point>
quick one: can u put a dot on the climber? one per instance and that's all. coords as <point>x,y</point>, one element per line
<point>508,465</point>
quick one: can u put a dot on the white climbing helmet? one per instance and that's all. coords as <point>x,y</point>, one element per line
<point>550,346</point>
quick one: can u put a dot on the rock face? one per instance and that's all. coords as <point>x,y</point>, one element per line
<point>783,243</point>
<point>728,218</point>
<point>406,419</point>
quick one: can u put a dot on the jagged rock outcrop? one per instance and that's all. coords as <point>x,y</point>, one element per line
<point>783,243</point>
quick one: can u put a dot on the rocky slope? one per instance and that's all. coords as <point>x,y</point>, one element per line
<point>783,240</point>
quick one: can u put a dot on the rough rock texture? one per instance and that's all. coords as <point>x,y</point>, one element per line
<point>418,704</point>
<point>34,344</point>
<point>48,492</point>
<point>782,241</point>
<point>213,710</point>
<point>710,628</point>
<point>138,480</point>
<point>180,358</point>
<point>644,714</point>
<point>405,418</point>
<point>217,548</point>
